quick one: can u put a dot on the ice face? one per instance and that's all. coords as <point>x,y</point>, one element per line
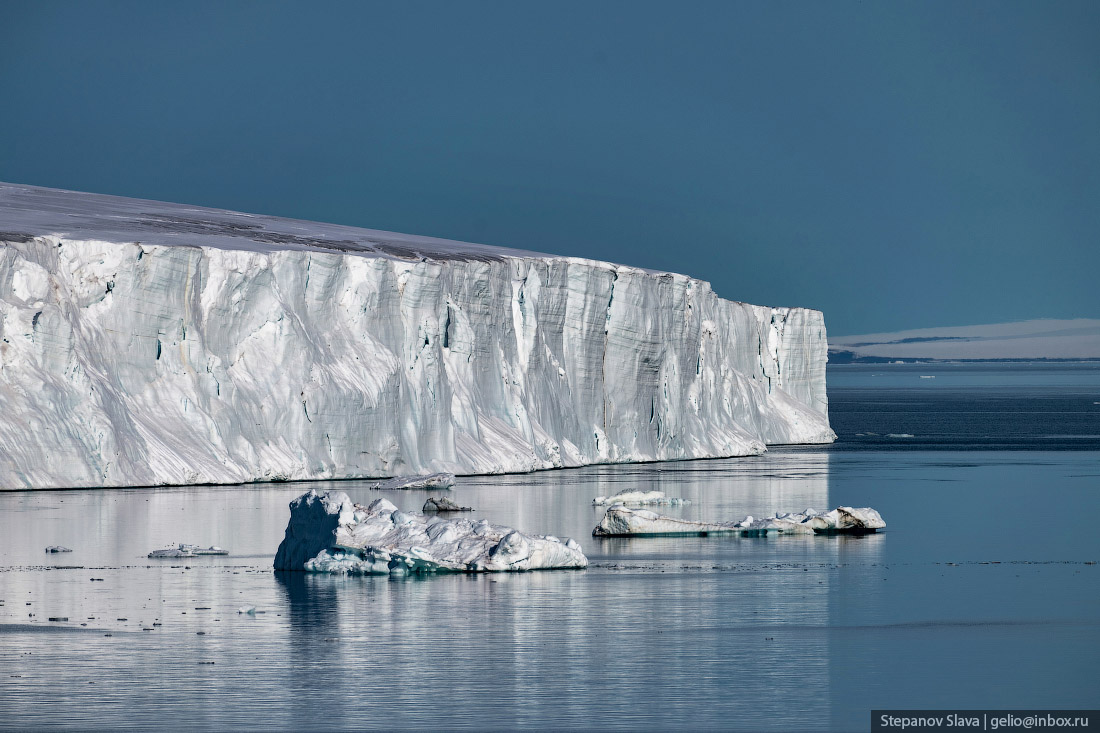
<point>620,520</point>
<point>329,534</point>
<point>148,344</point>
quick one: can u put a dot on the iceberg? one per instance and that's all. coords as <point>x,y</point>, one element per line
<point>443,504</point>
<point>146,343</point>
<point>620,520</point>
<point>432,481</point>
<point>649,498</point>
<point>188,551</point>
<point>327,533</point>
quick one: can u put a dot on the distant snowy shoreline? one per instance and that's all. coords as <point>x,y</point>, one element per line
<point>1023,341</point>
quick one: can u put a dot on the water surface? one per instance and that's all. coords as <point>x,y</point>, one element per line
<point>982,593</point>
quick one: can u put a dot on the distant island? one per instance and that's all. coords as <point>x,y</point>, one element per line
<point>1035,340</point>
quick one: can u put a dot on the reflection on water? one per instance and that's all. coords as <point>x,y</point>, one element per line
<point>781,633</point>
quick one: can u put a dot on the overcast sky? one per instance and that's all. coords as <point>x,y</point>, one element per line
<point>897,165</point>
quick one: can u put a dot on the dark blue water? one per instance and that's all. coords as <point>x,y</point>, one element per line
<point>995,406</point>
<point>982,593</point>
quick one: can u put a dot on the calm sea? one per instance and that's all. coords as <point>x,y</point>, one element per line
<point>982,593</point>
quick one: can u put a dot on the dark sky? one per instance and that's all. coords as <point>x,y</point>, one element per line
<point>895,164</point>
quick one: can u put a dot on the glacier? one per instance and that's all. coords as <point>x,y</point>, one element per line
<point>620,520</point>
<point>327,533</point>
<point>146,343</point>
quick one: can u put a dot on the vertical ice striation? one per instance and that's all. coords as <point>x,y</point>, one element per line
<point>146,343</point>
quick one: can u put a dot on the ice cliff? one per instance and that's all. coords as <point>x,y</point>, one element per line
<point>146,343</point>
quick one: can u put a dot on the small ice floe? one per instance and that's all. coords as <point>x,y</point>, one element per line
<point>57,548</point>
<point>928,376</point>
<point>900,435</point>
<point>327,533</point>
<point>431,481</point>
<point>650,498</point>
<point>249,610</point>
<point>443,504</point>
<point>188,551</point>
<point>621,520</point>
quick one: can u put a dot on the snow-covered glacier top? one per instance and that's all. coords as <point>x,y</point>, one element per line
<point>146,343</point>
<point>31,211</point>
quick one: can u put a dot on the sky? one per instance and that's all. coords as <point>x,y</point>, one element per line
<point>895,164</point>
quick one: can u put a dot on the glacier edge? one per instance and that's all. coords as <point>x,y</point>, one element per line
<point>131,358</point>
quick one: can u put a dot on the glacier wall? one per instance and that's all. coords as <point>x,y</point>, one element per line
<point>129,363</point>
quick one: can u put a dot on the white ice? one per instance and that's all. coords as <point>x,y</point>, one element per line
<point>147,343</point>
<point>645,498</point>
<point>327,533</point>
<point>622,520</point>
<point>184,550</point>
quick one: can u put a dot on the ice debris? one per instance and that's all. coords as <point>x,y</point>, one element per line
<point>327,533</point>
<point>621,520</point>
<point>651,498</point>
<point>188,551</point>
<point>57,548</point>
<point>443,504</point>
<point>431,481</point>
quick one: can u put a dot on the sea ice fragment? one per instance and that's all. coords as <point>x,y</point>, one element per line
<point>620,520</point>
<point>327,533</point>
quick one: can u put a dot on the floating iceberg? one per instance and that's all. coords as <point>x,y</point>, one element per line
<point>327,533</point>
<point>443,504</point>
<point>621,520</point>
<point>147,343</point>
<point>649,498</point>
<point>188,551</point>
<point>431,481</point>
<point>57,548</point>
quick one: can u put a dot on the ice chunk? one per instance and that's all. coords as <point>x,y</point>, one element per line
<point>620,520</point>
<point>57,548</point>
<point>188,551</point>
<point>329,534</point>
<point>443,504</point>
<point>431,481</point>
<point>650,498</point>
